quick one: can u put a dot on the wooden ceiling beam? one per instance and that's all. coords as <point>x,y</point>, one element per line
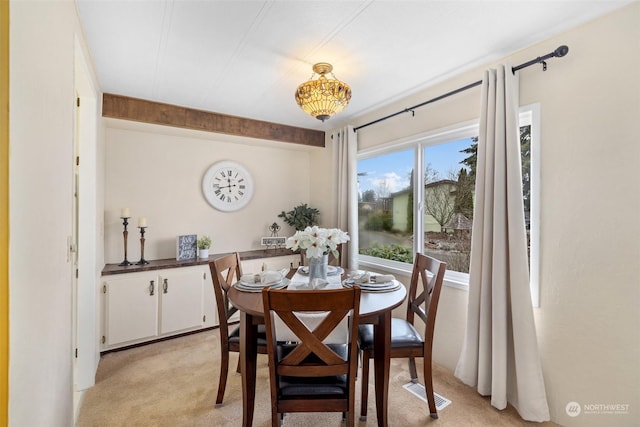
<point>140,110</point>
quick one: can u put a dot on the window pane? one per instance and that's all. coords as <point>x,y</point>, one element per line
<point>448,201</point>
<point>385,206</point>
<point>525,152</point>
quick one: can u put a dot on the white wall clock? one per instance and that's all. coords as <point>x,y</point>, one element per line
<point>227,186</point>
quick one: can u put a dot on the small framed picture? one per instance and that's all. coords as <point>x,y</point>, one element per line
<point>273,241</point>
<point>186,247</point>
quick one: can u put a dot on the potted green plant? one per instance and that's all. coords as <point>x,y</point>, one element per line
<point>301,217</point>
<point>204,243</point>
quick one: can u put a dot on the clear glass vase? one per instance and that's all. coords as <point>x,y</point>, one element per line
<point>318,267</point>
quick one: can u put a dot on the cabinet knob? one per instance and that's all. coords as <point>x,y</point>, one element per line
<point>165,286</point>
<point>152,287</point>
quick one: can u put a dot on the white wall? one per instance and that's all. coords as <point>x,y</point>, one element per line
<point>588,319</point>
<point>156,171</point>
<point>42,98</point>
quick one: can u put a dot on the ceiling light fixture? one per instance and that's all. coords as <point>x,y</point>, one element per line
<point>323,97</point>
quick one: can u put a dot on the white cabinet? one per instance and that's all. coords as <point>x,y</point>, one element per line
<point>131,308</point>
<point>143,306</point>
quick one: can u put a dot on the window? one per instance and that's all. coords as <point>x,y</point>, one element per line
<point>448,201</point>
<point>385,206</point>
<point>417,195</point>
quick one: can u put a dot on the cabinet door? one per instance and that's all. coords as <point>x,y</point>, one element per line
<point>180,300</point>
<point>210,309</point>
<point>131,308</point>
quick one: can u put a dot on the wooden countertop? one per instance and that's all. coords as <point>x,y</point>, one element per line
<point>160,264</point>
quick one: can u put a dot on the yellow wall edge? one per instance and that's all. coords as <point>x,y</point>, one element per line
<point>4,212</point>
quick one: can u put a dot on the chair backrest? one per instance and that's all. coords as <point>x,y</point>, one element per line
<point>333,260</point>
<point>311,357</point>
<point>225,271</point>
<point>429,272</point>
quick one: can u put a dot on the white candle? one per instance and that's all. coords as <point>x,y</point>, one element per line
<point>124,213</point>
<point>142,221</point>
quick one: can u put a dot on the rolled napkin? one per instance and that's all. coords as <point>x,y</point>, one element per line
<point>268,277</point>
<point>271,277</point>
<point>251,278</point>
<point>361,278</point>
<point>382,278</point>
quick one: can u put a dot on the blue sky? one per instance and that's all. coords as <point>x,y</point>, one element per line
<point>390,172</point>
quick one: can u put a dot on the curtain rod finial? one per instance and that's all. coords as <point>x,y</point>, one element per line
<point>561,51</point>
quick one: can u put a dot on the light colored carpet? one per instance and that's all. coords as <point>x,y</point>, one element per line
<point>174,383</point>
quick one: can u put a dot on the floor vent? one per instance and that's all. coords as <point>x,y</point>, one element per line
<point>418,390</point>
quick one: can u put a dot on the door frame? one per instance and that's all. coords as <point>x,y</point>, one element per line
<point>4,213</point>
<point>85,287</point>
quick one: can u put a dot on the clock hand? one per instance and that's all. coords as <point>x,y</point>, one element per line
<point>227,186</point>
<point>230,186</point>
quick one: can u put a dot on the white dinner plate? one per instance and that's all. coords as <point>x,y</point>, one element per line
<point>259,284</point>
<point>370,287</point>
<point>252,288</point>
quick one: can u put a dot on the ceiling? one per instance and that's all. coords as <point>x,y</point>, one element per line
<point>246,58</point>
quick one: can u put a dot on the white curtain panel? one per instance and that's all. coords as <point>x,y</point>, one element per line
<point>500,352</point>
<point>345,143</point>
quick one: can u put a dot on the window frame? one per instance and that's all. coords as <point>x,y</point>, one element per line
<point>528,115</point>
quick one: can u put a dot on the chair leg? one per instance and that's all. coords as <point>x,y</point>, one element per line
<point>238,367</point>
<point>350,419</point>
<point>276,419</point>
<point>428,387</point>
<point>365,385</point>
<point>224,370</point>
<point>412,370</point>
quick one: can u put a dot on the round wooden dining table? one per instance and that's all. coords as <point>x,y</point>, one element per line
<point>375,308</point>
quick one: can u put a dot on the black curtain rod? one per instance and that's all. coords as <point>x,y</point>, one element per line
<point>559,52</point>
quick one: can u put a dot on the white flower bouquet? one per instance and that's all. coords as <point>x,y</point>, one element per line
<point>317,241</point>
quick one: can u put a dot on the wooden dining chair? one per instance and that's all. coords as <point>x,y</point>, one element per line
<point>312,373</point>
<point>225,271</point>
<point>406,341</point>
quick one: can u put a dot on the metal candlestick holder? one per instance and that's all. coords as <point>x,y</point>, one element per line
<point>125,234</point>
<point>142,260</point>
